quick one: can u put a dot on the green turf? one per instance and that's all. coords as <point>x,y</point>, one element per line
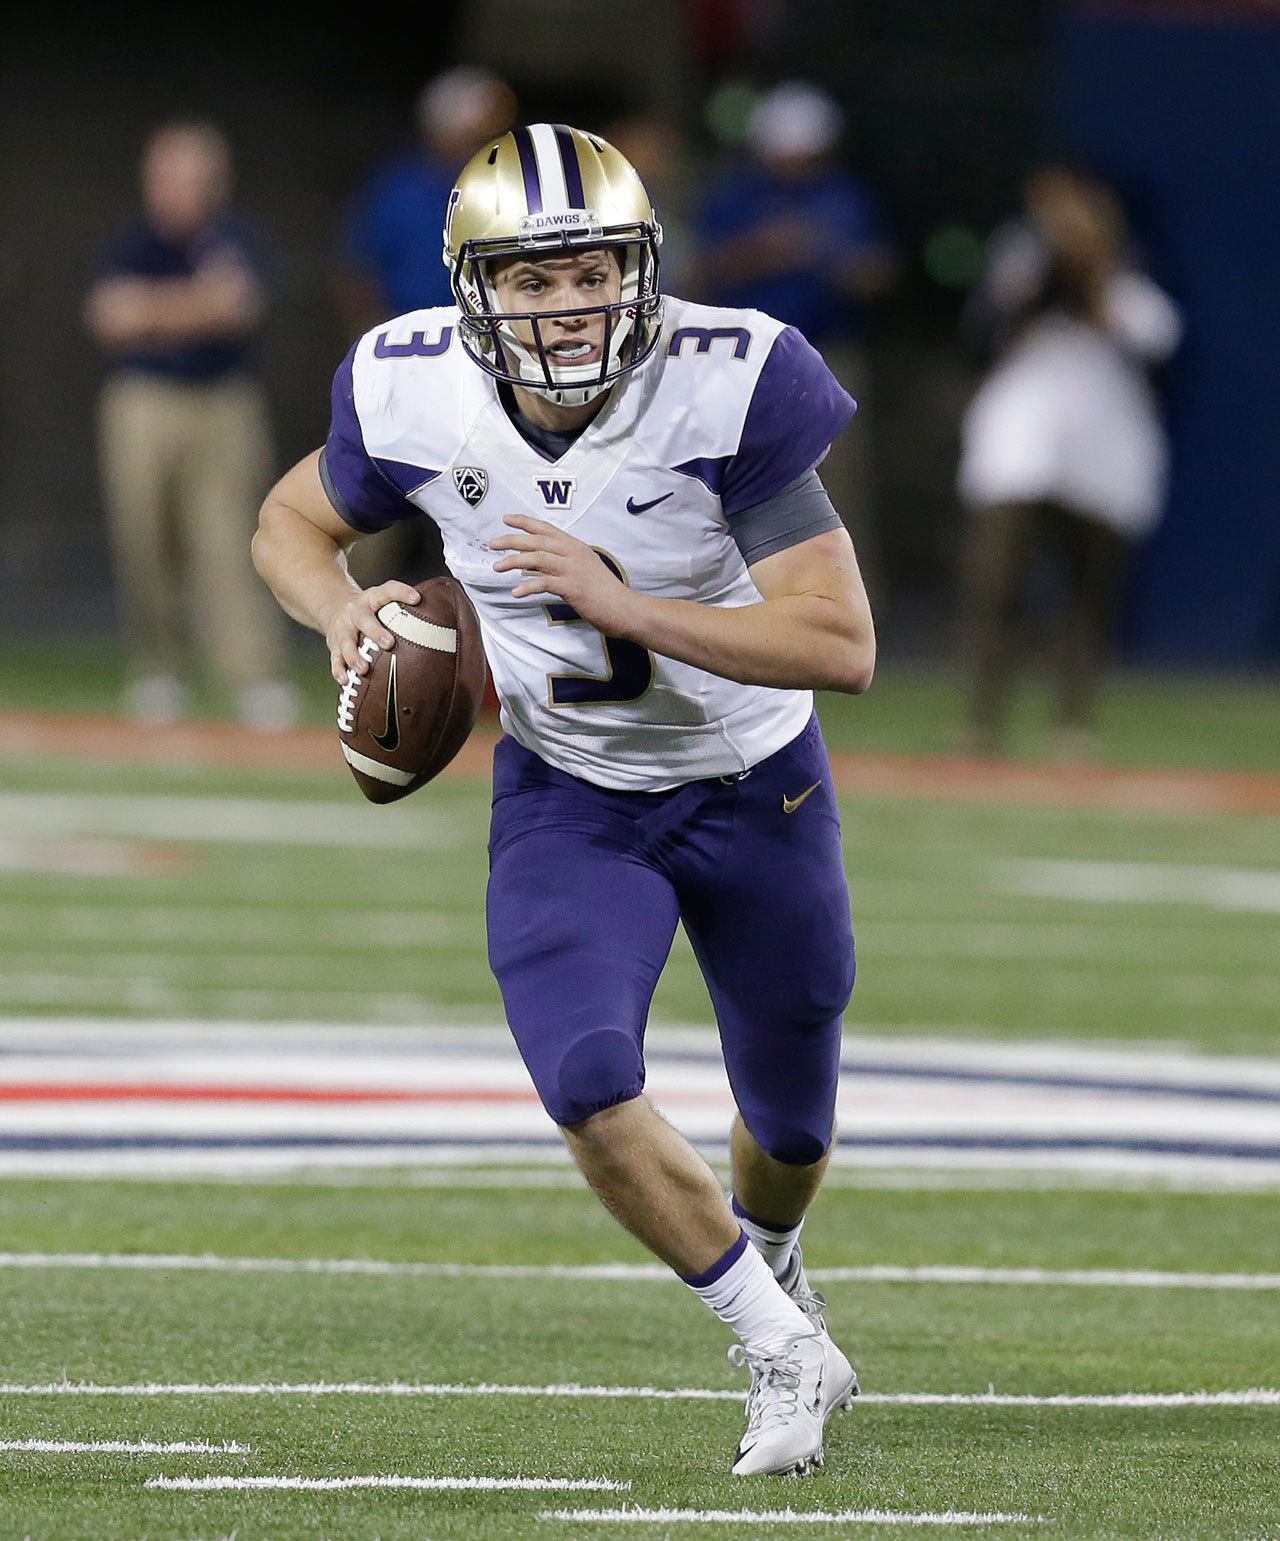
<point>1091,1472</point>
<point>266,931</point>
<point>270,932</point>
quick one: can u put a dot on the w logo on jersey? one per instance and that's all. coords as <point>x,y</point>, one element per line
<point>557,491</point>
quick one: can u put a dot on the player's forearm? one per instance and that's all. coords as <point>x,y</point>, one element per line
<point>303,567</point>
<point>794,641</point>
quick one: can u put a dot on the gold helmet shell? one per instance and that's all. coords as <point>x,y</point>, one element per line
<point>543,190</point>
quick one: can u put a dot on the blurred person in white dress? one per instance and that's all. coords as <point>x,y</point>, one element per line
<point>1064,454</point>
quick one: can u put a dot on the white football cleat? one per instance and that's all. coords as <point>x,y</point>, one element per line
<point>792,1395</point>
<point>796,1283</point>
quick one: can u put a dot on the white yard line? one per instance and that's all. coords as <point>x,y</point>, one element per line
<point>632,1273</point>
<point>933,1105</point>
<point>426,1484</point>
<point>1106,1278</point>
<point>256,821</point>
<point>1242,890</point>
<point>1254,1397</point>
<point>126,1447</point>
<point>158,1167</point>
<point>1090,940</point>
<point>234,925</point>
<point>67,990</point>
<point>782,1517</point>
<point>922,1048</point>
<point>852,1167</point>
<point>193,972</point>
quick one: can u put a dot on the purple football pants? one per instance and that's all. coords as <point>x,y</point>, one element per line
<point>586,887</point>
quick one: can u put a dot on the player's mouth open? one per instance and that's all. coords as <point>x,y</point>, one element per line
<point>571,352</point>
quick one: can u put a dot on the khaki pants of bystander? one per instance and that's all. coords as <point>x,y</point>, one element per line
<point>184,469</point>
<point>1004,544</point>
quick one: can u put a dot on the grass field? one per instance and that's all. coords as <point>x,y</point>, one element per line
<point>1089,1471</point>
<point>133,891</point>
<point>949,939</point>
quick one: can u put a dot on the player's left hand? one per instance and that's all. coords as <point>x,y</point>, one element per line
<point>564,567</point>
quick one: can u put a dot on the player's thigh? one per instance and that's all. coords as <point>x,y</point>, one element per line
<point>579,929</point>
<point>774,938</point>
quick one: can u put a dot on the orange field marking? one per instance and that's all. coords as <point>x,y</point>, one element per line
<point>37,735</point>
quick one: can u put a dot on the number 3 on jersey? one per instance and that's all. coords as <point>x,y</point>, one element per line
<point>630,666</point>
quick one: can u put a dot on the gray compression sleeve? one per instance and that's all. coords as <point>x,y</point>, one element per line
<point>799,512</point>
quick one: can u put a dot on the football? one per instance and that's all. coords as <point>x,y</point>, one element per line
<point>402,722</point>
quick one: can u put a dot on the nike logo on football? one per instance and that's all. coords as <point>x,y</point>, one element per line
<point>790,804</point>
<point>642,508</point>
<point>389,739</point>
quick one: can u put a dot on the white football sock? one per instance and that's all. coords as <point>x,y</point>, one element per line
<point>744,1294</point>
<point>775,1246</point>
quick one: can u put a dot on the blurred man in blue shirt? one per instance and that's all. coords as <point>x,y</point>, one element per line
<point>794,234</point>
<point>183,433</point>
<point>393,236</point>
<point>393,244</point>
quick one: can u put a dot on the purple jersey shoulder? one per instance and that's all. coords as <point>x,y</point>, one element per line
<point>797,409</point>
<point>369,492</point>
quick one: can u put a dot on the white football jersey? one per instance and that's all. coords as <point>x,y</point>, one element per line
<point>732,408</point>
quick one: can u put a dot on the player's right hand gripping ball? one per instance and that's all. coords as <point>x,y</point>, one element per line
<point>402,722</point>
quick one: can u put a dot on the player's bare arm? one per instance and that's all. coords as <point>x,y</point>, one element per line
<point>300,550</point>
<point>811,630</point>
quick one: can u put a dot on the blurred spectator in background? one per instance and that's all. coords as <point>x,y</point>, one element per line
<point>1063,450</point>
<point>393,261</point>
<point>183,434</point>
<point>394,233</point>
<point>791,232</point>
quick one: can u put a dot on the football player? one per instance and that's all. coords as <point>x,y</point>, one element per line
<point>626,486</point>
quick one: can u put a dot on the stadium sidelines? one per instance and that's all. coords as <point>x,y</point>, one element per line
<point>42,735</point>
<point>110,1097</point>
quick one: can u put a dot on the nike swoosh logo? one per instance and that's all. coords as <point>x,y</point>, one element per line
<point>642,508</point>
<point>790,804</point>
<point>822,1373</point>
<point>389,739</point>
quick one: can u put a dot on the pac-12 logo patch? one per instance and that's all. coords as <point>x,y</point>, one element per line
<point>472,483</point>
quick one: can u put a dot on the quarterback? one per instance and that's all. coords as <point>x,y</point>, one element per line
<point>626,487</point>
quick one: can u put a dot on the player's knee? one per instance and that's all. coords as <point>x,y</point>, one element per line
<point>790,1142</point>
<point>819,995</point>
<point>598,1070</point>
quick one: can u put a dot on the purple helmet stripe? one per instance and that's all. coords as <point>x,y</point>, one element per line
<point>529,167</point>
<point>572,171</point>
